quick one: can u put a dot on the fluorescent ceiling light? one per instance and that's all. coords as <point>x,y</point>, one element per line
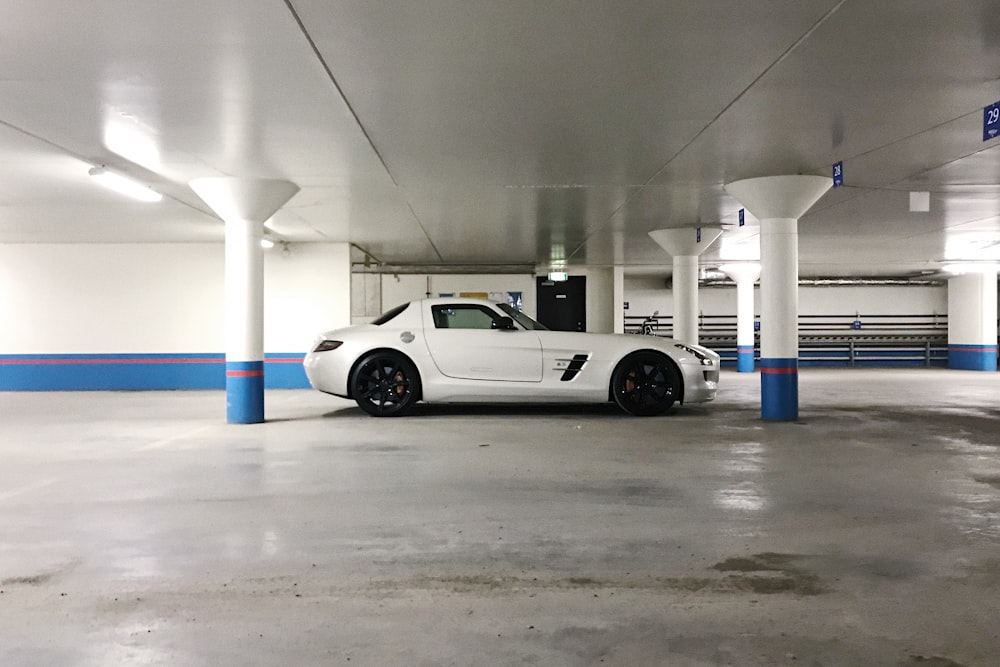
<point>266,244</point>
<point>127,136</point>
<point>123,185</point>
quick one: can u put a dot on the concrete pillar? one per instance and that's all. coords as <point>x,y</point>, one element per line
<point>686,244</point>
<point>244,205</point>
<point>685,282</point>
<point>745,276</point>
<point>972,320</point>
<point>619,305</point>
<point>778,202</point>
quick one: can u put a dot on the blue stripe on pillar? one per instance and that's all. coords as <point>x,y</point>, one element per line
<point>245,392</point>
<point>972,357</point>
<point>779,389</point>
<point>744,358</point>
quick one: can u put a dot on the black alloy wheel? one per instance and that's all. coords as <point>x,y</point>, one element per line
<point>645,384</point>
<point>385,384</point>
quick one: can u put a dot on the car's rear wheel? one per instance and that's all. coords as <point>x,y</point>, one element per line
<point>645,384</point>
<point>385,384</point>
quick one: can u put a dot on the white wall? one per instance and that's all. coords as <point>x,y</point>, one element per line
<point>366,297</point>
<point>159,298</point>
<point>874,300</point>
<point>306,291</point>
<point>600,298</point>
<point>111,298</point>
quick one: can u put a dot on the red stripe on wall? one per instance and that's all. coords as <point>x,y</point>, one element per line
<point>144,360</point>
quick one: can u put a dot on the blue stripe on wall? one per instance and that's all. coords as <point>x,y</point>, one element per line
<point>115,372</point>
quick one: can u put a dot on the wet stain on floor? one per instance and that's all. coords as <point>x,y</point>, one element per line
<point>744,575</point>
<point>765,562</point>
<point>992,480</point>
<point>933,661</point>
<point>34,580</point>
<point>768,573</point>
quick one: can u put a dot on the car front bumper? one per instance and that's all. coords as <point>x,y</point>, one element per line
<point>700,382</point>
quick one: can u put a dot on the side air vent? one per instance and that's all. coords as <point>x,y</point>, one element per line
<point>571,366</point>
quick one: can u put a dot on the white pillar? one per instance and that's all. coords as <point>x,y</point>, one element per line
<point>972,320</point>
<point>685,244</point>
<point>619,305</point>
<point>778,202</point>
<point>745,275</point>
<point>244,205</point>
<point>685,282</point>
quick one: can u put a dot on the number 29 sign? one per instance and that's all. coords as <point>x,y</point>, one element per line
<point>991,121</point>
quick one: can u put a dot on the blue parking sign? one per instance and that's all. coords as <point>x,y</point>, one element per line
<point>838,174</point>
<point>991,121</point>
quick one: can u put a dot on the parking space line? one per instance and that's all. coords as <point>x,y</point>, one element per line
<point>174,438</point>
<point>27,488</point>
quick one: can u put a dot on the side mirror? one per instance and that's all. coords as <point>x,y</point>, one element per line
<point>504,324</point>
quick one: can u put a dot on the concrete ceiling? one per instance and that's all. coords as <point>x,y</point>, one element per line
<point>506,134</point>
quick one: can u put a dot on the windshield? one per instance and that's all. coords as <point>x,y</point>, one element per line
<point>521,318</point>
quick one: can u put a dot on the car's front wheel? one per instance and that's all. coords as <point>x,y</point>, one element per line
<point>645,384</point>
<point>385,384</point>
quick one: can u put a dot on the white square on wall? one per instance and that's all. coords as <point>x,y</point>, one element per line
<point>920,202</point>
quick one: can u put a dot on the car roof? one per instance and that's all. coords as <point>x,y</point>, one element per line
<point>437,300</point>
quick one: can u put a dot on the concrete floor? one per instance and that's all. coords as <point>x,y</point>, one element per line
<point>139,529</point>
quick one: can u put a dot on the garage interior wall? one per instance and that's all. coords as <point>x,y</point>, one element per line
<point>150,316</point>
<point>400,288</point>
<point>397,289</point>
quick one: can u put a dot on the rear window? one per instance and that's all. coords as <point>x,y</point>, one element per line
<point>389,314</point>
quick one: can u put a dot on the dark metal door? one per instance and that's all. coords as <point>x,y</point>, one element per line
<point>562,305</point>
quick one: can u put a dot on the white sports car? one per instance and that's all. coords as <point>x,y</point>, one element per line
<point>474,351</point>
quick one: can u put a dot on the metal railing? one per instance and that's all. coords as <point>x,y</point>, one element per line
<point>833,340</point>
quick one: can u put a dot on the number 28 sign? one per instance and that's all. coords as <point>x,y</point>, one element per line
<point>991,121</point>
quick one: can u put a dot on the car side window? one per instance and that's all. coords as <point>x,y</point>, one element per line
<point>462,316</point>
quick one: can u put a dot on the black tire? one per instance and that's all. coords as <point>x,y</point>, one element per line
<point>385,384</point>
<point>645,384</point>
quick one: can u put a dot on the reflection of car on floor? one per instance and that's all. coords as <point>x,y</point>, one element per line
<point>475,351</point>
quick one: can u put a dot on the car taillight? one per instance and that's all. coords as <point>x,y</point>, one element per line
<point>327,345</point>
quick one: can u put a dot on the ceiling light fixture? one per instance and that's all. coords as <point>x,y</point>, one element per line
<point>124,185</point>
<point>266,244</point>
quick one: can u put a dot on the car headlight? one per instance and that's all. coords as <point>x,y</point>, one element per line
<point>702,358</point>
<point>327,345</point>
